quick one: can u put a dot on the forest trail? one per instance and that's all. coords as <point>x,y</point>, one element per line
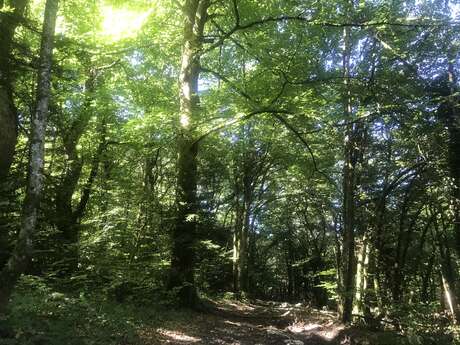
<point>261,323</point>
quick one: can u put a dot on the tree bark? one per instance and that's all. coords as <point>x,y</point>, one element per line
<point>426,277</point>
<point>449,111</point>
<point>453,127</point>
<point>9,21</point>
<point>362,275</point>
<point>402,243</point>
<point>237,234</point>
<point>248,191</point>
<point>22,252</point>
<point>68,216</point>
<point>447,273</point>
<point>8,112</point>
<point>250,172</point>
<point>184,232</point>
<point>348,261</point>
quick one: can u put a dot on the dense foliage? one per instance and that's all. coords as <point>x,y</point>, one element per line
<point>282,150</point>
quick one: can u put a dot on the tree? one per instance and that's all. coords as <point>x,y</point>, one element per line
<point>289,150</point>
<point>184,233</point>
<point>23,250</point>
<point>11,16</point>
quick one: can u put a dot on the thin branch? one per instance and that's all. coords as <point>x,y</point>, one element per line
<point>403,59</point>
<point>299,136</point>
<point>290,127</point>
<point>403,175</point>
<point>110,65</point>
<point>321,80</point>
<point>243,93</point>
<point>237,12</point>
<point>227,81</point>
<point>275,112</point>
<point>178,4</point>
<point>280,93</point>
<point>238,44</point>
<point>240,119</point>
<point>313,22</point>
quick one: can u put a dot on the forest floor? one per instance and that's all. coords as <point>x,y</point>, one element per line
<point>43,316</point>
<point>262,323</point>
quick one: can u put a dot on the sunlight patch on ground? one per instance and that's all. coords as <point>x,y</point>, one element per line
<point>241,306</point>
<point>327,331</point>
<point>299,327</point>
<point>178,336</point>
<point>331,333</point>
<point>294,342</point>
<point>232,323</point>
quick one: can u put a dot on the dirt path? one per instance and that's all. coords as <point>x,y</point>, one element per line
<point>235,323</point>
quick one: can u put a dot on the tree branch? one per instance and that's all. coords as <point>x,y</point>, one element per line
<point>237,12</point>
<point>313,22</point>
<point>240,119</point>
<point>291,128</point>
<point>227,81</point>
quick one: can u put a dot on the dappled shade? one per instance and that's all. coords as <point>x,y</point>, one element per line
<point>229,172</point>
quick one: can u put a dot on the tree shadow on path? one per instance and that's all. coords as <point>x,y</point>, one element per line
<point>235,323</point>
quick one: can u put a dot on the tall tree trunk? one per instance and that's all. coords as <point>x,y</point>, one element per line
<point>237,236</point>
<point>447,274</point>
<point>362,275</point>
<point>426,277</point>
<point>348,261</point>
<point>184,232</point>
<point>237,230</point>
<point>247,175</point>
<point>375,269</point>
<point>9,20</point>
<point>289,254</point>
<point>402,243</point>
<point>453,126</point>
<point>244,241</point>
<point>68,216</point>
<point>450,113</point>
<point>22,252</point>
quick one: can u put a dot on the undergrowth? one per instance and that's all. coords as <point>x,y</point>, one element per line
<point>41,315</point>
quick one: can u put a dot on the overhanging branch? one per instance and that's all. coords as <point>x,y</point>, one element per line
<point>313,22</point>
<point>241,119</point>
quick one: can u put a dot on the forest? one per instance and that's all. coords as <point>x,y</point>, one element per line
<point>229,172</point>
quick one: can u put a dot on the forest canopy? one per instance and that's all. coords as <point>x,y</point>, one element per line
<point>178,152</point>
